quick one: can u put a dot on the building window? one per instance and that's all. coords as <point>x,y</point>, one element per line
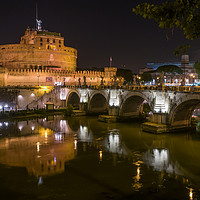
<point>59,42</point>
<point>40,44</point>
<point>47,39</point>
<point>59,45</point>
<point>54,41</point>
<point>40,39</point>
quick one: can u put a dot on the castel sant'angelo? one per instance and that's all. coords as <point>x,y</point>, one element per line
<point>42,59</point>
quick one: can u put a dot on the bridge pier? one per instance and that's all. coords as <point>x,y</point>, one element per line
<point>83,106</point>
<point>157,123</point>
<point>113,110</point>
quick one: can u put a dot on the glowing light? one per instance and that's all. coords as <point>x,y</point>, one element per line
<point>1,107</point>
<point>46,134</point>
<point>38,146</point>
<point>63,126</point>
<point>114,98</point>
<point>191,194</point>
<point>138,171</point>
<point>100,155</point>
<point>20,96</point>
<point>32,128</point>
<point>1,124</point>
<point>54,159</point>
<point>6,123</point>
<point>84,134</point>
<point>58,136</point>
<point>40,181</point>
<point>75,144</point>
<point>6,106</point>
<point>20,127</point>
<point>32,95</point>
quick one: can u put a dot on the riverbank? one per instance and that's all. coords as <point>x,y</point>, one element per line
<point>27,114</point>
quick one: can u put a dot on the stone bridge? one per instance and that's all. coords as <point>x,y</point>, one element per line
<point>172,107</point>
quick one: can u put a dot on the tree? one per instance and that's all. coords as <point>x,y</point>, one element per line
<point>170,69</point>
<point>126,74</point>
<point>181,14</point>
<point>197,68</point>
<point>146,77</point>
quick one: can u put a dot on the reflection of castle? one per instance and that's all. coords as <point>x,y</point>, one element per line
<point>40,154</point>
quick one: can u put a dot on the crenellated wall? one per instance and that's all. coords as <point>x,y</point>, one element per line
<point>36,77</point>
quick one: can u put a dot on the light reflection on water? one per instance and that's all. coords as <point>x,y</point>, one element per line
<point>44,147</point>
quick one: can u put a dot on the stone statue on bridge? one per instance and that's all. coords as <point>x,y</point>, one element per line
<point>84,80</point>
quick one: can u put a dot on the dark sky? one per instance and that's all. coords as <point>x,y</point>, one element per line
<point>98,30</point>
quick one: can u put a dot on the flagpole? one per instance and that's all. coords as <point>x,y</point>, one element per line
<point>110,61</point>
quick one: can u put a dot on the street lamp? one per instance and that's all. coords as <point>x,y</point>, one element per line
<point>192,76</point>
<point>139,80</point>
<point>157,79</point>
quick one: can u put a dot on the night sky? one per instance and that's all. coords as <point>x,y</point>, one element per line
<point>98,30</point>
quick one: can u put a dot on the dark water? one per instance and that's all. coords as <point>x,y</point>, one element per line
<point>81,158</point>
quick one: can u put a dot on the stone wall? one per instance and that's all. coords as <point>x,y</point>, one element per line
<point>28,56</point>
<point>33,77</point>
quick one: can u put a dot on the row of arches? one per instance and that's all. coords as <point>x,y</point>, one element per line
<point>98,103</point>
<point>180,113</point>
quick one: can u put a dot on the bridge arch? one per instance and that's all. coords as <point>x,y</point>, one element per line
<point>131,105</point>
<point>181,112</point>
<point>98,102</point>
<point>73,98</point>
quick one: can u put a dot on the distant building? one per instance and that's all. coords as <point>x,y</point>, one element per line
<point>189,75</point>
<point>184,64</point>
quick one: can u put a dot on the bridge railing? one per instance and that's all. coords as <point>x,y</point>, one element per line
<point>164,88</point>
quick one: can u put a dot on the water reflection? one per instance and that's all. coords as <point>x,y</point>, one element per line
<point>44,146</point>
<point>114,144</point>
<point>84,135</point>
<point>137,185</point>
<point>42,154</point>
<point>159,160</point>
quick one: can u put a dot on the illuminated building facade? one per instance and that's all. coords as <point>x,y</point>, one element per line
<point>39,50</point>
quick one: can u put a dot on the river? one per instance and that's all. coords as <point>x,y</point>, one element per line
<point>81,158</point>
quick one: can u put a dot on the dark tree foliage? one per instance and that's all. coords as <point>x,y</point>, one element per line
<point>169,15</point>
<point>126,74</point>
<point>170,69</point>
<point>197,68</point>
<point>182,14</point>
<point>146,77</point>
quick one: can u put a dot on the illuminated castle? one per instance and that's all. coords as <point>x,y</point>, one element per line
<point>39,50</point>
<point>42,59</point>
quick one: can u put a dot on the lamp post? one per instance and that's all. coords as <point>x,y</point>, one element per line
<point>192,76</point>
<point>193,79</point>
<point>157,80</point>
<point>139,78</point>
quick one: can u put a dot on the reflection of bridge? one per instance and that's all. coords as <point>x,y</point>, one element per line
<point>172,107</point>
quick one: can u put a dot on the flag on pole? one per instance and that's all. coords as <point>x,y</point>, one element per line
<point>110,59</point>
